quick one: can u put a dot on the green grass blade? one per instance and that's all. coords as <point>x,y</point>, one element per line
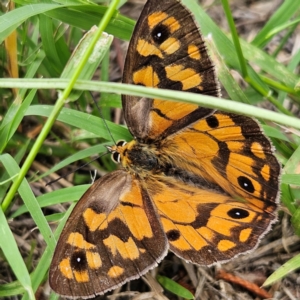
<point>282,15</point>
<point>49,44</point>
<point>13,256</point>
<point>291,178</point>
<point>207,101</point>
<point>11,20</point>
<point>11,289</point>
<point>56,197</point>
<point>174,287</point>
<point>86,16</point>
<point>13,118</point>
<point>269,65</point>
<point>282,271</point>
<point>87,122</point>
<point>29,200</point>
<point>235,38</point>
<point>82,154</point>
<point>99,51</point>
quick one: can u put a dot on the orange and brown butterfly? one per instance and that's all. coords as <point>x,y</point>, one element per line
<point>201,183</point>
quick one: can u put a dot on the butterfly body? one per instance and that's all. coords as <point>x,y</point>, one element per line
<point>199,182</point>
<point>137,158</point>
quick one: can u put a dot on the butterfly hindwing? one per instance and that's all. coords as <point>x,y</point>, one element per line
<point>205,226</point>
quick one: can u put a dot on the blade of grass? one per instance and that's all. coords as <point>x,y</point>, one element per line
<point>29,199</point>
<point>207,101</point>
<point>13,118</point>
<point>174,287</point>
<point>48,43</point>
<point>85,16</point>
<point>69,194</point>
<point>93,150</point>
<point>291,179</point>
<point>235,39</point>
<point>13,255</point>
<point>268,64</point>
<point>282,271</point>
<point>87,122</point>
<point>232,88</point>
<point>11,20</point>
<point>282,14</point>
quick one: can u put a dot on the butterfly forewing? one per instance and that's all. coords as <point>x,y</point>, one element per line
<point>113,236</point>
<point>168,52</point>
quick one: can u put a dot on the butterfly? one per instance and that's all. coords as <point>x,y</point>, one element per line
<point>199,182</point>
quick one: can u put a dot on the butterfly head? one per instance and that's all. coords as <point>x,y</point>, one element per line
<point>117,151</point>
<point>134,157</point>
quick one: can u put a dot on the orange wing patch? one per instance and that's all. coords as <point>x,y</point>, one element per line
<point>146,76</point>
<point>188,77</point>
<point>194,52</point>
<point>146,49</point>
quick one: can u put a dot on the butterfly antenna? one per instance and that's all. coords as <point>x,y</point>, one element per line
<point>82,166</point>
<point>103,120</point>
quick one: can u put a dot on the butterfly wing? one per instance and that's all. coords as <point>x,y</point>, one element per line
<point>226,179</point>
<point>205,226</point>
<point>225,157</point>
<point>166,52</point>
<point>112,236</point>
<point>229,151</point>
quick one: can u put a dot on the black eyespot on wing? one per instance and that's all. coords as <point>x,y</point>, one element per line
<point>160,33</point>
<point>78,261</point>
<point>212,122</point>
<point>238,213</point>
<point>173,235</point>
<point>246,184</point>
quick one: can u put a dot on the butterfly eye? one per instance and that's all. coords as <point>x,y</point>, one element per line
<point>121,143</point>
<point>160,33</point>
<point>238,213</point>
<point>246,184</point>
<point>116,157</point>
